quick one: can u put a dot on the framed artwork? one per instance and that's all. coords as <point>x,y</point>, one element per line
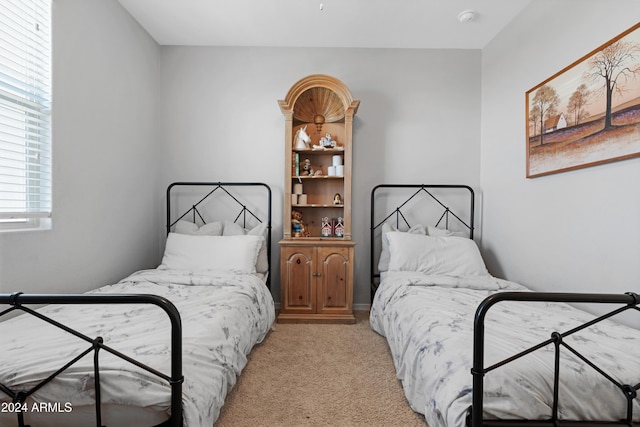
<point>588,113</point>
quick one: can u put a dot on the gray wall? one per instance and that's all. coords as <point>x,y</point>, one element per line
<point>131,117</point>
<point>573,231</point>
<point>418,121</point>
<point>105,198</point>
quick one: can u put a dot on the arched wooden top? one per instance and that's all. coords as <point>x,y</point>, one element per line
<point>349,105</point>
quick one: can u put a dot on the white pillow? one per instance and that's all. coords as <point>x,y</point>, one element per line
<point>210,229</point>
<point>437,231</point>
<point>437,255</point>
<point>233,229</point>
<point>383,262</point>
<point>197,253</point>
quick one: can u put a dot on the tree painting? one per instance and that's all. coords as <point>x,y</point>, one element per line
<point>578,103</point>
<point>588,113</point>
<point>616,62</point>
<point>545,102</point>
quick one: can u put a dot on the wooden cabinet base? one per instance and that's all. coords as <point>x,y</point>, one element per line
<point>316,318</point>
<point>316,281</point>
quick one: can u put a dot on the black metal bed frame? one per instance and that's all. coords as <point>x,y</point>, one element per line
<point>475,418</point>
<point>421,190</point>
<point>628,301</point>
<point>19,301</point>
<point>223,187</point>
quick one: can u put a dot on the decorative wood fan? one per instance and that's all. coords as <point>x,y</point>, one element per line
<point>318,105</point>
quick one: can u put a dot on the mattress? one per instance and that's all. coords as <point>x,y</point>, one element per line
<point>428,323</point>
<point>224,314</point>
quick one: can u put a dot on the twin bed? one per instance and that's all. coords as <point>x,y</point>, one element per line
<point>471,349</point>
<point>163,346</point>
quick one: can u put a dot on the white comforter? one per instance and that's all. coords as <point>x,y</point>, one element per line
<point>223,316</point>
<point>428,323</point>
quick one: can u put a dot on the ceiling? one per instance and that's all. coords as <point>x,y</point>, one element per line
<point>428,24</point>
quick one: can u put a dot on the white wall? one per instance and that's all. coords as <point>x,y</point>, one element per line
<point>131,117</point>
<point>572,231</point>
<point>418,121</point>
<point>105,199</point>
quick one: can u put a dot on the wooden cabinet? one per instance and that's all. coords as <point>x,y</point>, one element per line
<point>317,282</point>
<point>317,248</point>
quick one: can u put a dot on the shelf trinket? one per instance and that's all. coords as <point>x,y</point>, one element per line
<point>326,230</point>
<point>339,228</point>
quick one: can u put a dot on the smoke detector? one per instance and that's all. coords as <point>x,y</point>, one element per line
<point>467,15</point>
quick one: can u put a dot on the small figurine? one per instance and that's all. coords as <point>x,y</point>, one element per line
<point>327,142</point>
<point>296,226</point>
<point>302,139</point>
<point>337,199</point>
<point>326,227</point>
<point>298,229</point>
<point>339,229</point>
<point>306,168</point>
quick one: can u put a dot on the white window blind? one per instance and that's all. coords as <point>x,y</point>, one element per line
<point>25,111</point>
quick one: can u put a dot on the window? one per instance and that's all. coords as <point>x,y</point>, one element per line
<point>25,113</point>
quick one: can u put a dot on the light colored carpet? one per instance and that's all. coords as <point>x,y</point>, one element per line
<point>319,375</point>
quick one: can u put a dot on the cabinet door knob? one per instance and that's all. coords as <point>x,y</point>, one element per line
<point>298,261</point>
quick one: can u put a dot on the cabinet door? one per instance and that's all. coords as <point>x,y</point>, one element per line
<point>297,269</point>
<point>335,292</point>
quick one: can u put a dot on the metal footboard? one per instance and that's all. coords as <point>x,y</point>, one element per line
<point>18,301</point>
<point>628,301</point>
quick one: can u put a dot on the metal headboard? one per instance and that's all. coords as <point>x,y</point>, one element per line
<point>421,190</point>
<point>224,187</point>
